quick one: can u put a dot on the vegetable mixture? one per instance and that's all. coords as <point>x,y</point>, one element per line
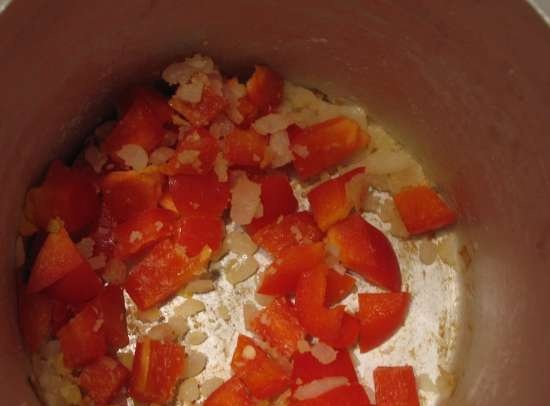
<point>157,199</point>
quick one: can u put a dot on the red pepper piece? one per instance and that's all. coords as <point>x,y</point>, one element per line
<point>279,326</point>
<point>381,315</point>
<point>195,154</point>
<point>57,195</point>
<point>35,315</point>
<point>316,319</point>
<point>325,145</point>
<point>82,339</point>
<point>199,195</point>
<point>277,199</point>
<point>58,257</point>
<point>265,89</point>
<point>330,202</point>
<point>103,379</point>
<point>78,286</point>
<point>395,386</point>
<point>194,233</point>
<point>346,395</point>
<point>156,369</point>
<point>127,193</point>
<point>142,124</point>
<point>366,250</point>
<point>290,230</point>
<point>245,148</point>
<point>262,375</point>
<point>338,287</point>
<point>231,393</point>
<point>143,229</point>
<point>164,271</point>
<point>349,333</point>
<point>282,277</point>
<point>200,114</point>
<point>307,368</point>
<point>111,304</point>
<point>422,210</point>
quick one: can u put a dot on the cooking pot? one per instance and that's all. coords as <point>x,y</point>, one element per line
<point>464,84</point>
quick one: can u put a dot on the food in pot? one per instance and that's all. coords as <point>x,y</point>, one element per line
<point>204,186</point>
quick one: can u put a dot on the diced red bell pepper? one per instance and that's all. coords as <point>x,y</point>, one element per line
<point>279,326</point>
<point>307,368</point>
<point>381,315</point>
<point>262,375</point>
<point>349,333</point>
<point>35,315</point>
<point>58,257</point>
<point>143,229</point>
<point>199,195</point>
<point>330,202</point>
<point>82,339</point>
<point>277,199</point>
<point>127,193</point>
<point>57,195</point>
<point>61,314</point>
<point>104,240</point>
<point>395,386</point>
<point>248,110</point>
<point>282,277</point>
<point>290,230</point>
<point>317,319</point>
<point>78,286</point>
<point>325,145</point>
<point>245,148</point>
<point>195,154</point>
<point>265,89</point>
<point>231,393</point>
<point>338,287</point>
<point>164,271</point>
<point>142,124</point>
<point>422,210</point>
<point>156,102</point>
<point>194,233</point>
<point>366,250</point>
<point>346,395</point>
<point>111,304</point>
<point>156,369</point>
<point>202,113</point>
<point>103,379</point>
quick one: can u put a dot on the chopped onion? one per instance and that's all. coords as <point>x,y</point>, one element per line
<point>189,390</point>
<point>279,149</point>
<point>189,308</point>
<point>134,156</point>
<point>272,123</point>
<point>242,270</point>
<point>161,155</point>
<point>194,364</point>
<point>319,387</point>
<point>324,353</point>
<point>245,200</point>
<point>240,242</point>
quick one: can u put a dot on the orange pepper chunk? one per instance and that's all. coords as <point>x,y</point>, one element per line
<point>103,379</point>
<point>143,229</point>
<point>279,326</point>
<point>245,148</point>
<point>329,201</point>
<point>199,195</point>
<point>231,393</point>
<point>265,89</point>
<point>262,375</point>
<point>127,193</point>
<point>338,287</point>
<point>395,386</point>
<point>422,210</point>
<point>367,251</point>
<point>195,154</point>
<point>157,367</point>
<point>380,315</point>
<point>281,278</point>
<point>202,113</point>
<point>57,195</point>
<point>287,231</point>
<point>325,145</point>
<point>164,271</point>
<point>58,257</point>
<point>142,124</point>
<point>82,339</point>
<point>317,319</point>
